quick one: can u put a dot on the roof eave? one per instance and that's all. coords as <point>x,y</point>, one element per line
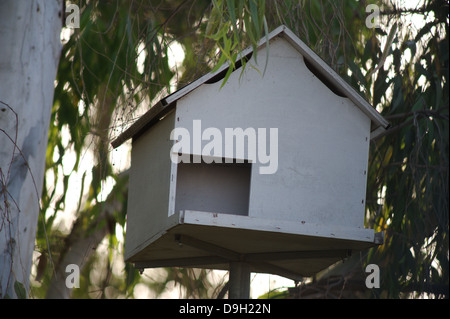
<point>141,124</point>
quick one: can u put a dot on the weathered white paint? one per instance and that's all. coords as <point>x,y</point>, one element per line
<point>29,54</point>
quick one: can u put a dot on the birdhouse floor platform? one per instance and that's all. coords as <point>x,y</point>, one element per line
<point>291,249</point>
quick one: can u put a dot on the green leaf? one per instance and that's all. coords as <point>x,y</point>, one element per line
<point>255,17</point>
<point>266,30</point>
<point>248,28</point>
<point>228,74</point>
<point>221,61</point>
<point>232,12</point>
<point>397,98</point>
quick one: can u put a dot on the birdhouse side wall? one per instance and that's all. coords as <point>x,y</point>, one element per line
<point>149,185</point>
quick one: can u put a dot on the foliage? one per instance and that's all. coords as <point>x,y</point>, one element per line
<point>226,25</point>
<point>117,65</point>
<point>410,163</point>
<point>100,87</point>
<point>275,294</point>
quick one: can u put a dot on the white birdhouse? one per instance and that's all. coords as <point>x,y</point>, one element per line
<point>270,169</point>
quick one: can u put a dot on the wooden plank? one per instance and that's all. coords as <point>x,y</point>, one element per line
<point>208,247</point>
<point>278,226</point>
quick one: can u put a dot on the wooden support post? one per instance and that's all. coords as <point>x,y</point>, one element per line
<point>239,279</point>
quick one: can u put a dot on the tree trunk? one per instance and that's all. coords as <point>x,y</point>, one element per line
<point>30,48</point>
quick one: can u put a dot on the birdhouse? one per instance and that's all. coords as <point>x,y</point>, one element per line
<point>269,169</point>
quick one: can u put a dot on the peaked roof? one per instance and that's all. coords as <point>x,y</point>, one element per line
<point>323,70</point>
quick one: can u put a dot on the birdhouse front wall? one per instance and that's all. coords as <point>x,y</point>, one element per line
<point>322,142</point>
